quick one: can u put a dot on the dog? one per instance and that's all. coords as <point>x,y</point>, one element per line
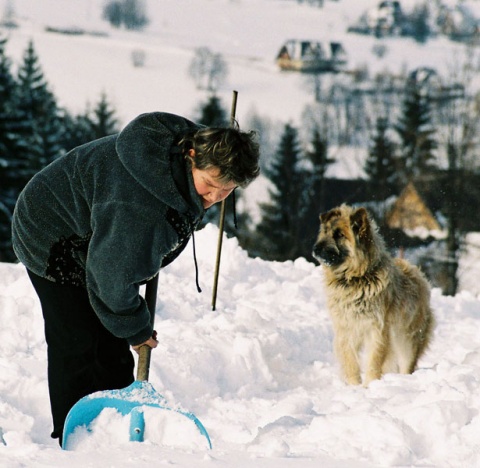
<point>380,306</point>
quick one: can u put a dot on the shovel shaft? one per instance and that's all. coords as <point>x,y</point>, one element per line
<point>222,216</point>
<point>144,352</point>
<point>143,365</point>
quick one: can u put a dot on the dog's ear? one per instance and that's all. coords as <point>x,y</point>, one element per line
<point>361,224</point>
<point>325,217</point>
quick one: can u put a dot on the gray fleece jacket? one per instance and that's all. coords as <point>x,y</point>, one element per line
<point>108,215</point>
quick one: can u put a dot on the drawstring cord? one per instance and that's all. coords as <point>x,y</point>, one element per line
<point>199,289</point>
<point>234,210</point>
<point>195,261</point>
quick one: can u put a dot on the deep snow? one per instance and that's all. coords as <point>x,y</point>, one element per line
<point>259,371</point>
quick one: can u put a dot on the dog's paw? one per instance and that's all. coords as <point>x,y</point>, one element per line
<point>353,380</point>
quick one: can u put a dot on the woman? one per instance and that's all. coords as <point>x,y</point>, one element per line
<point>100,221</point>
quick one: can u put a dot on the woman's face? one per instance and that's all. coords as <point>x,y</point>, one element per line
<point>206,182</point>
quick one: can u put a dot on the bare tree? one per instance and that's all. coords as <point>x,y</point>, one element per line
<point>207,69</point>
<point>8,19</point>
<point>461,120</point>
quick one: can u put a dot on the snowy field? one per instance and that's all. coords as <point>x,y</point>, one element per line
<point>259,371</point>
<point>248,34</point>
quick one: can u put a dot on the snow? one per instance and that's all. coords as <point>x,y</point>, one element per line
<point>248,34</point>
<point>259,372</point>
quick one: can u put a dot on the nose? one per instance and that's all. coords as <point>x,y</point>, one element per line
<point>327,254</point>
<point>317,251</point>
<point>217,195</point>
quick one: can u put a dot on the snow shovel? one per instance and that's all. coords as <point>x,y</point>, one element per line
<point>130,400</point>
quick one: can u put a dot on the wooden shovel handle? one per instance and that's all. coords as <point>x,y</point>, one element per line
<point>222,216</point>
<point>144,352</point>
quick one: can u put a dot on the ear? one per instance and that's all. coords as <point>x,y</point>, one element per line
<point>191,153</point>
<point>325,217</point>
<point>360,223</point>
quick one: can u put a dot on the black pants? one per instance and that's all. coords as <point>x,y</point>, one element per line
<point>83,356</point>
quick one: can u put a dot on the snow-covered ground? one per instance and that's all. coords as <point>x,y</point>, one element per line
<point>248,34</point>
<point>259,371</point>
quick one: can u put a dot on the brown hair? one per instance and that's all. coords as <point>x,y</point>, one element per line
<point>233,152</point>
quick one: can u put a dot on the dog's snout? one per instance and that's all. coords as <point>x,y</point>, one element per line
<point>319,245</point>
<point>317,250</point>
<point>320,249</point>
<point>326,253</point>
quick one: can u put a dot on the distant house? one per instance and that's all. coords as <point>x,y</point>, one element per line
<point>459,22</point>
<point>311,56</point>
<point>427,81</point>
<point>384,19</point>
<point>409,212</point>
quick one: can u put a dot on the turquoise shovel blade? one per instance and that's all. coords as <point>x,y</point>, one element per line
<point>129,400</point>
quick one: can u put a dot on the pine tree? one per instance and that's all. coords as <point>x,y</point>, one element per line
<point>113,12</point>
<point>134,14</point>
<point>416,132</point>
<point>11,151</point>
<point>212,114</point>
<point>380,165</point>
<point>8,144</point>
<point>89,125</point>
<point>104,122</point>
<point>279,228</point>
<point>39,108</point>
<point>129,13</point>
<point>419,19</point>
<point>77,130</point>
<point>318,156</point>
<point>312,192</point>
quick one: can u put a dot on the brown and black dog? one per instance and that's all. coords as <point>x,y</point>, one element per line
<point>379,306</point>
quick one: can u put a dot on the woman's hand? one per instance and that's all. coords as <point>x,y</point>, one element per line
<point>152,342</point>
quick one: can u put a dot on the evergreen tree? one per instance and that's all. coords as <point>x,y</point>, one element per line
<point>41,114</point>
<point>104,122</point>
<point>8,142</point>
<point>416,132</point>
<point>380,165</point>
<point>129,13</point>
<point>279,229</point>
<point>77,130</point>
<point>11,152</point>
<point>419,20</point>
<point>134,14</point>
<point>89,125</point>
<point>212,114</point>
<point>6,251</point>
<point>312,192</point>
<point>318,156</point>
<point>113,12</point>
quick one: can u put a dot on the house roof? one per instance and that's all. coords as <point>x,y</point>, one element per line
<point>409,212</point>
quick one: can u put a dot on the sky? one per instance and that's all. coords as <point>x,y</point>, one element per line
<point>259,371</point>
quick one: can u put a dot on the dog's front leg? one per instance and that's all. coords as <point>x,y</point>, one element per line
<point>347,354</point>
<point>376,354</point>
